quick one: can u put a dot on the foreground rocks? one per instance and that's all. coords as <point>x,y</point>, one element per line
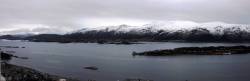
<point>220,50</point>
<point>19,73</point>
<point>6,56</point>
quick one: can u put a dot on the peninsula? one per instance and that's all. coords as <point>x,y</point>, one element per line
<point>219,50</point>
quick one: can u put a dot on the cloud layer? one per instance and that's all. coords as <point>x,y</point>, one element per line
<point>65,15</point>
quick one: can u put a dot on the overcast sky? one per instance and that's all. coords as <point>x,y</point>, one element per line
<point>47,16</point>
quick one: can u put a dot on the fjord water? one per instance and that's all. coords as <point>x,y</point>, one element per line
<point>115,62</point>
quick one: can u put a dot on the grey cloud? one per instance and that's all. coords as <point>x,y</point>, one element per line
<point>69,12</point>
<point>35,31</point>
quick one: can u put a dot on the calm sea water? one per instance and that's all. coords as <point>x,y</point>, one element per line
<point>115,62</point>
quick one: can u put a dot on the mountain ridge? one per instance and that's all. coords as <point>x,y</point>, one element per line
<point>206,32</point>
<point>169,26</point>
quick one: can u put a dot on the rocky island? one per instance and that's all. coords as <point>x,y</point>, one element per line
<point>219,50</point>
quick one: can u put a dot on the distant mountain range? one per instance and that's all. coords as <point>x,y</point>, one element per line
<point>169,26</point>
<point>171,31</point>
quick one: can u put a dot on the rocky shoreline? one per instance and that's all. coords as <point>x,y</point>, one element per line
<point>18,73</point>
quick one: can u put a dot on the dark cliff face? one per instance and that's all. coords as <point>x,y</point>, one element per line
<point>194,35</point>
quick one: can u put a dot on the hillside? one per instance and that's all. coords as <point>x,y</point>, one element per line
<point>172,31</point>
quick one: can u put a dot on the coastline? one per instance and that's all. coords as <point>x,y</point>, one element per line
<point>218,50</point>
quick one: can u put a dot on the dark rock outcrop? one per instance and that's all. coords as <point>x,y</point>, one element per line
<point>19,73</point>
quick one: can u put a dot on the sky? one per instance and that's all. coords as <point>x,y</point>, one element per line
<point>61,16</point>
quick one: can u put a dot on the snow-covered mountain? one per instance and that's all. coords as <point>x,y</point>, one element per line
<point>170,26</point>
<point>157,31</point>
